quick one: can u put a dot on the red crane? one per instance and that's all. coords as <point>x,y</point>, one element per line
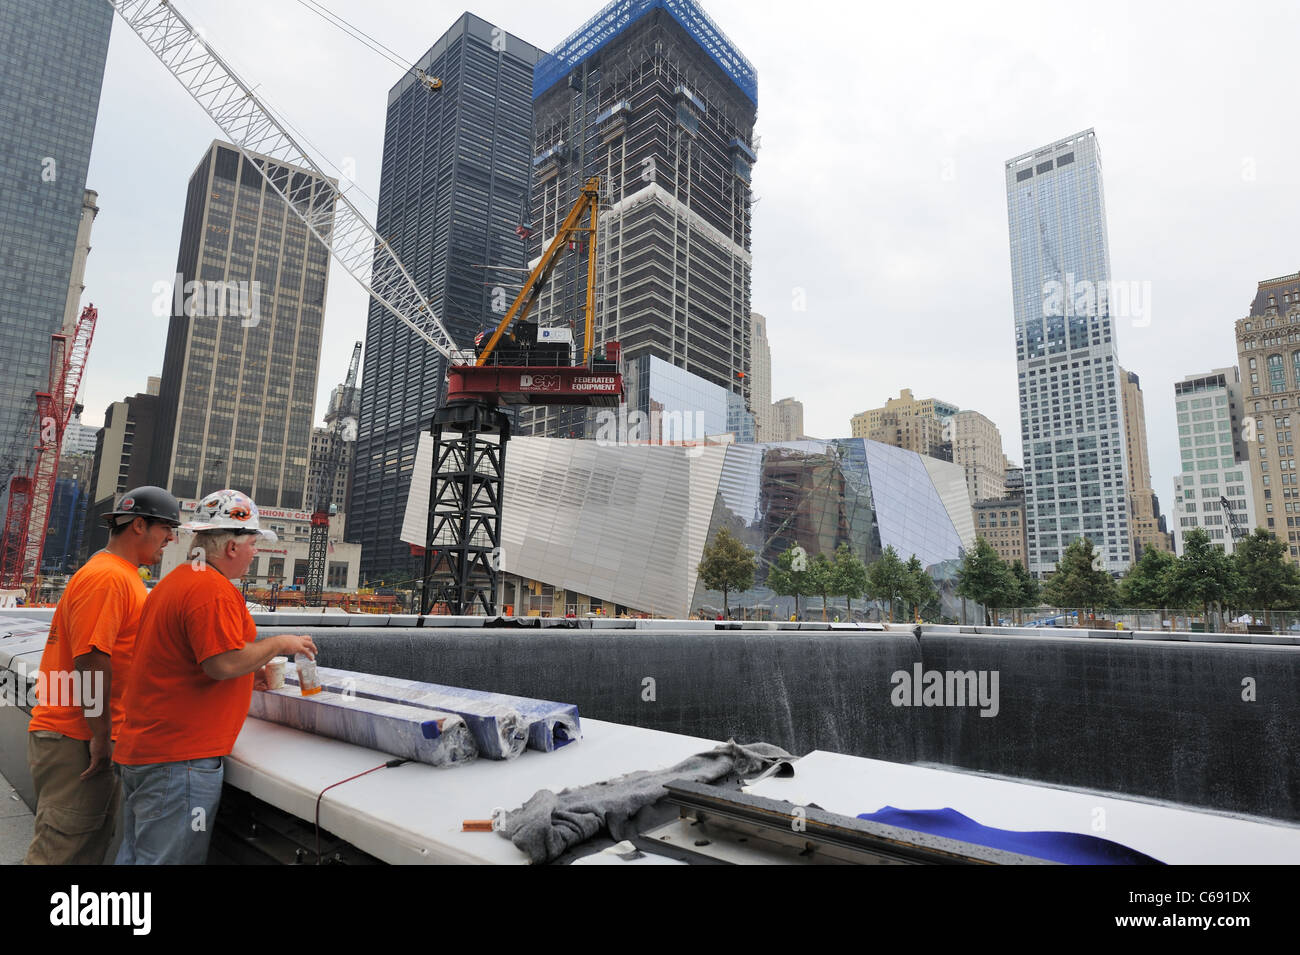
<point>27,516</point>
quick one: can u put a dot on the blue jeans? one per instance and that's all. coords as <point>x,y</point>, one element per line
<point>168,811</point>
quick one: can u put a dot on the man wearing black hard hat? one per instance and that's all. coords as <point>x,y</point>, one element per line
<point>82,677</point>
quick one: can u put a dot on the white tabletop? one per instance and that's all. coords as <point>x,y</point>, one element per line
<point>412,814</point>
<point>850,785</point>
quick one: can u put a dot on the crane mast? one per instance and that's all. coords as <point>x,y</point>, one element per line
<point>326,478</point>
<point>27,515</point>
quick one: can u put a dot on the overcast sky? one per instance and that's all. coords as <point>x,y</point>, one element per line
<point>881,197</point>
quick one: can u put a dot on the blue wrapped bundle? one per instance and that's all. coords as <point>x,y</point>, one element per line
<point>502,725</point>
<point>418,733</point>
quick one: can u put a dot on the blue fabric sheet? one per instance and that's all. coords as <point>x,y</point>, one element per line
<point>1071,848</point>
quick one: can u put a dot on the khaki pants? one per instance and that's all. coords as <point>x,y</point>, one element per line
<point>75,818</point>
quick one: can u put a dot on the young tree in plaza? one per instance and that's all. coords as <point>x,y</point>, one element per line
<point>788,577</point>
<point>984,578</point>
<point>1204,575</point>
<point>919,590</point>
<point>1267,581</point>
<point>1078,582</point>
<point>887,579</point>
<point>1150,582</point>
<point>1029,592</point>
<point>821,578</point>
<point>850,576</point>
<point>727,565</point>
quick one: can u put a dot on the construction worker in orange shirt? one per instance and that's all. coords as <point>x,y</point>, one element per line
<point>82,679</point>
<point>185,709</point>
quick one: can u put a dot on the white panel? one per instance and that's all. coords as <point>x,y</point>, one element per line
<point>950,481</point>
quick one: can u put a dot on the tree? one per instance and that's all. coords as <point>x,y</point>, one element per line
<point>1150,582</point>
<point>1204,575</point>
<point>821,579</point>
<point>727,565</point>
<point>1267,580</point>
<point>1029,593</point>
<point>984,578</point>
<point>918,589</point>
<point>850,576</point>
<point>788,577</point>
<point>1078,582</point>
<point>887,579</point>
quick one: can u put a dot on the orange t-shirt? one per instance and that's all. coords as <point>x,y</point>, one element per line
<point>175,711</point>
<point>99,610</point>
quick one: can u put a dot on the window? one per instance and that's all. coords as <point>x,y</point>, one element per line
<point>1276,374</point>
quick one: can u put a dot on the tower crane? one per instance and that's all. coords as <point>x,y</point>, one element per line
<point>27,515</point>
<point>326,479</point>
<point>470,431</point>
<point>1235,530</point>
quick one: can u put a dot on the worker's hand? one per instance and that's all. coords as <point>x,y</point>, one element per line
<point>260,682</point>
<point>291,643</point>
<point>101,756</point>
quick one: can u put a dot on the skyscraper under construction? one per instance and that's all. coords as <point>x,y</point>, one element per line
<point>653,98</point>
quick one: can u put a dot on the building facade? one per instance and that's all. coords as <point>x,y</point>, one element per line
<point>976,444</point>
<point>787,420</point>
<point>653,98</point>
<point>587,525</point>
<point>1001,522</point>
<point>1215,458</point>
<point>1268,359</point>
<point>79,438</point>
<point>1145,521</point>
<point>47,125</point>
<point>864,422</point>
<point>452,193</point>
<point>1071,413</point>
<point>122,449</point>
<point>913,432</point>
<point>760,377</point>
<point>65,531</point>
<point>243,343</point>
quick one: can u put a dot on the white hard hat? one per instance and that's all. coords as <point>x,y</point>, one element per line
<point>227,510</point>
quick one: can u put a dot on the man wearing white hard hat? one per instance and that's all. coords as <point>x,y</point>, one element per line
<point>187,698</point>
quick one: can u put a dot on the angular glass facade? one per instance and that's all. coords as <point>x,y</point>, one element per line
<point>628,524</point>
<point>53,65</point>
<point>677,406</point>
<point>452,192</point>
<point>1071,413</point>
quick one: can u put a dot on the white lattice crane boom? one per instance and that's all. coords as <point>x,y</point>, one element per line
<point>250,126</point>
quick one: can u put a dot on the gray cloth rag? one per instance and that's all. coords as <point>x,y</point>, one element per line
<point>548,824</point>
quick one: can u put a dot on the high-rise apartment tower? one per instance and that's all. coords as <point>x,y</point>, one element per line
<point>1071,413</point>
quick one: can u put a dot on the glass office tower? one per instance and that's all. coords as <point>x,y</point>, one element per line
<point>452,193</point>
<point>243,343</point>
<point>1071,413</point>
<point>53,64</point>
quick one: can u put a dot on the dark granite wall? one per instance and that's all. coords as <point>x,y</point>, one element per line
<point>1164,720</point>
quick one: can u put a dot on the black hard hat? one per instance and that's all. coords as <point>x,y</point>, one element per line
<point>148,501</point>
